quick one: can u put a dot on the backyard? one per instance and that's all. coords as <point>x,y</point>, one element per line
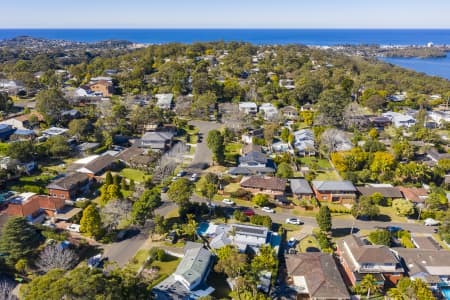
<point>133,174</point>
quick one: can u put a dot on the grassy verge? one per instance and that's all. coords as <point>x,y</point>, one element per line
<point>321,163</point>
<point>309,244</point>
<point>137,261</point>
<point>390,215</point>
<point>167,266</point>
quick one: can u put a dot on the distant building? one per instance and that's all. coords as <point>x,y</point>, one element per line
<point>54,131</point>
<point>304,142</point>
<point>23,121</point>
<point>157,140</point>
<point>268,110</point>
<point>400,120</point>
<point>6,131</point>
<point>104,86</point>
<point>315,276</point>
<point>289,112</point>
<point>164,101</point>
<point>248,107</point>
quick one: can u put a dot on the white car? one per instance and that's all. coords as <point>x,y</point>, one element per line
<point>294,221</point>
<point>431,222</point>
<point>227,201</point>
<point>194,177</point>
<point>74,228</point>
<point>267,209</point>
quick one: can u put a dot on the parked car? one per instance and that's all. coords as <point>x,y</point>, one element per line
<point>294,221</point>
<point>194,177</point>
<point>227,201</point>
<point>74,228</point>
<point>393,229</point>
<point>431,222</point>
<point>94,261</point>
<point>249,212</point>
<point>175,178</point>
<point>267,209</point>
<point>291,243</point>
<point>164,189</point>
<point>172,237</point>
<point>181,173</point>
<point>50,224</point>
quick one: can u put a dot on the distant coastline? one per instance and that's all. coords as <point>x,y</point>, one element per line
<point>311,37</point>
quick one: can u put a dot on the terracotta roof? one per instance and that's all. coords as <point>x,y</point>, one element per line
<point>266,183</point>
<point>321,275</point>
<point>416,195</point>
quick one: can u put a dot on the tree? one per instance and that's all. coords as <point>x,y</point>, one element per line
<point>411,289</point>
<point>144,207</point>
<point>114,212</point>
<point>208,186</point>
<point>216,144</point>
<point>18,239</point>
<point>436,201</point>
<point>261,200</point>
<point>90,222</point>
<point>56,257</point>
<point>285,133</point>
<point>285,170</point>
<point>21,150</point>
<point>403,207</point>
<point>231,262</point>
<point>160,224</point>
<point>108,178</point>
<point>51,103</point>
<point>380,237</point>
<point>269,132</point>
<point>368,285</point>
<point>382,162</point>
<point>57,146</point>
<point>365,207</point>
<point>180,191</point>
<point>79,128</point>
<point>5,103</point>
<point>323,218</point>
<point>265,260</point>
<point>331,106</point>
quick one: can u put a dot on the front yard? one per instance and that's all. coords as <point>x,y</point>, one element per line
<point>309,244</point>
<point>133,174</point>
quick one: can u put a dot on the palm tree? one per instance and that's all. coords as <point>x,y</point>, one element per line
<point>369,283</point>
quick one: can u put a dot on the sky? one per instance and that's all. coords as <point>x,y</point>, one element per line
<point>225,14</point>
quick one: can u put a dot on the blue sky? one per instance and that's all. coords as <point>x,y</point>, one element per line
<point>225,14</point>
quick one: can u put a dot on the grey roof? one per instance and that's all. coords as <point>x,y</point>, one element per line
<point>252,230</point>
<point>68,182</point>
<point>99,164</point>
<point>300,186</point>
<point>425,243</point>
<point>428,262</point>
<point>387,192</point>
<point>334,185</point>
<point>250,170</point>
<point>254,156</point>
<point>157,137</point>
<point>195,263</point>
<point>321,274</point>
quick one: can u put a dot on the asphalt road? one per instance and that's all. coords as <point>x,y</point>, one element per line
<point>202,153</point>
<point>338,223</point>
<point>121,252</point>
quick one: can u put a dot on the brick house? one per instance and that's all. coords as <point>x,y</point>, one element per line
<point>31,205</point>
<point>102,86</point>
<point>359,259</point>
<point>70,186</point>
<point>271,186</point>
<point>334,191</point>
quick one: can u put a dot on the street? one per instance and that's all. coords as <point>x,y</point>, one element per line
<point>202,153</point>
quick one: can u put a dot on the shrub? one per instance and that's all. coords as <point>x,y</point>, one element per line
<point>158,254</point>
<point>324,243</point>
<point>242,194</point>
<point>240,216</point>
<point>261,220</point>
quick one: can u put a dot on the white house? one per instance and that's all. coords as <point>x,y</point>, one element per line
<point>248,107</point>
<point>400,120</point>
<point>439,116</point>
<point>164,101</point>
<point>304,142</point>
<point>268,110</point>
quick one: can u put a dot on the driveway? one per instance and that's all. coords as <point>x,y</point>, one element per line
<point>121,252</point>
<point>202,153</point>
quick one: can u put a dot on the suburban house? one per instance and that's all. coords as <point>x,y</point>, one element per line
<point>24,121</point>
<point>289,112</point>
<point>247,138</point>
<point>359,259</point>
<point>387,190</point>
<point>287,84</point>
<point>431,266</point>
<point>400,120</point>
<point>304,142</point>
<point>164,101</point>
<point>281,147</point>
<point>380,122</point>
<point>435,156</point>
<point>268,111</point>
<point>334,191</point>
<point>97,165</point>
<point>31,205</point>
<point>137,158</point>
<point>104,87</point>
<point>246,238</point>
<point>398,97</point>
<point>69,187</point>
<point>315,276</point>
<point>301,189</point>
<point>6,131</point>
<point>247,148</point>
<point>271,186</point>
<point>157,140</point>
<point>248,107</point>
<point>252,163</point>
<point>188,280</point>
<point>54,131</point>
<point>22,134</point>
<point>416,195</point>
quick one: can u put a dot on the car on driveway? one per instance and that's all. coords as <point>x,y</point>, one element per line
<point>227,201</point>
<point>294,221</point>
<point>431,222</point>
<point>267,210</point>
<point>74,228</point>
<point>248,212</point>
<point>194,177</point>
<point>164,189</point>
<point>181,173</point>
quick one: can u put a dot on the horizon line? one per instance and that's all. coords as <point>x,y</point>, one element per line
<point>221,28</point>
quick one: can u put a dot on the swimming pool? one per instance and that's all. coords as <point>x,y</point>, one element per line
<point>446,292</point>
<point>202,228</point>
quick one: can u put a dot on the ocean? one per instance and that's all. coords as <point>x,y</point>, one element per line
<point>431,66</point>
<point>321,37</point>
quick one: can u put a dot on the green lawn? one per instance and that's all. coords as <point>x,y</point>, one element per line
<point>137,261</point>
<point>35,183</point>
<point>308,244</point>
<point>167,266</point>
<point>328,175</point>
<point>390,213</point>
<point>232,187</point>
<point>322,163</point>
<point>133,174</point>
<point>233,148</point>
